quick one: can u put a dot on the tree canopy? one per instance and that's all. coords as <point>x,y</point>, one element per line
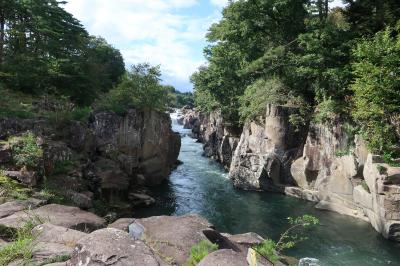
<point>43,48</point>
<point>301,52</point>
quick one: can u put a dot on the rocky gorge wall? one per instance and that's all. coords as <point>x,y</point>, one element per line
<point>220,140</point>
<point>108,157</point>
<point>322,163</point>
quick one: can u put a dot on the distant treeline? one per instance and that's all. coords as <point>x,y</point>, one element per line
<point>332,63</point>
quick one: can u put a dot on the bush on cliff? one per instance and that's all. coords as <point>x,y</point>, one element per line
<point>200,251</point>
<point>377,88</point>
<point>25,151</point>
<point>140,88</point>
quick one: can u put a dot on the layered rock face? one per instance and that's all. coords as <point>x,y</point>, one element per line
<point>339,173</point>
<point>219,139</point>
<point>109,157</point>
<point>142,143</point>
<point>265,151</point>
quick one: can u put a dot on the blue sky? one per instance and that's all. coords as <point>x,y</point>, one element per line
<point>170,33</point>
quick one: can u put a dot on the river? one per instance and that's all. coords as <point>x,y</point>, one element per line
<point>200,185</point>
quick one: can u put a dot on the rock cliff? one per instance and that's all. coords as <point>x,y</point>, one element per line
<point>338,172</point>
<point>265,151</point>
<point>219,139</point>
<point>323,163</point>
<point>109,157</point>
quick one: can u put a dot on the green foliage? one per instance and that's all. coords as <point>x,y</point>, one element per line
<point>376,88</point>
<point>43,48</point>
<point>369,16</point>
<point>25,151</point>
<point>293,235</point>
<point>365,186</point>
<point>139,88</point>
<point>54,259</point>
<point>326,111</point>
<point>177,99</point>
<point>267,249</point>
<point>199,251</point>
<point>259,94</point>
<point>389,158</point>
<point>342,153</point>
<point>249,43</point>
<point>81,114</point>
<point>22,244</point>
<point>12,189</point>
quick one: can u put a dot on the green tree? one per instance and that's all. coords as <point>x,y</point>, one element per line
<point>377,88</point>
<point>370,16</point>
<point>140,88</point>
<point>251,41</point>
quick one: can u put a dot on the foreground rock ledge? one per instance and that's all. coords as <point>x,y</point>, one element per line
<point>66,216</point>
<point>111,246</point>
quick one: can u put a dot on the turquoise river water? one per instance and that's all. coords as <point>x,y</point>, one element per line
<point>200,185</point>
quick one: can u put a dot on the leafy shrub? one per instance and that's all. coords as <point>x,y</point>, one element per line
<point>267,249</point>
<point>388,157</point>
<point>22,243</point>
<point>376,88</point>
<point>12,189</point>
<point>326,111</point>
<point>25,151</point>
<point>258,95</point>
<point>199,251</point>
<point>81,114</point>
<point>139,88</point>
<point>288,239</point>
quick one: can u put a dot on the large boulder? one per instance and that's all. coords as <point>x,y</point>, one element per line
<point>69,217</point>
<point>11,207</point>
<point>53,241</point>
<point>122,224</point>
<point>24,176</point>
<point>173,236</point>
<point>111,246</point>
<point>224,257</point>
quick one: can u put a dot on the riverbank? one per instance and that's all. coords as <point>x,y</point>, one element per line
<point>320,162</point>
<point>201,185</point>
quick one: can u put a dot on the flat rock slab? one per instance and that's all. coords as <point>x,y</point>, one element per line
<point>173,236</point>
<point>110,246</point>
<point>224,257</point>
<point>52,241</point>
<point>9,208</point>
<point>66,216</point>
<point>122,224</point>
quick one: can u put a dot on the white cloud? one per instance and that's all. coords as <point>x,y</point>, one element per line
<point>156,31</point>
<point>219,3</point>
